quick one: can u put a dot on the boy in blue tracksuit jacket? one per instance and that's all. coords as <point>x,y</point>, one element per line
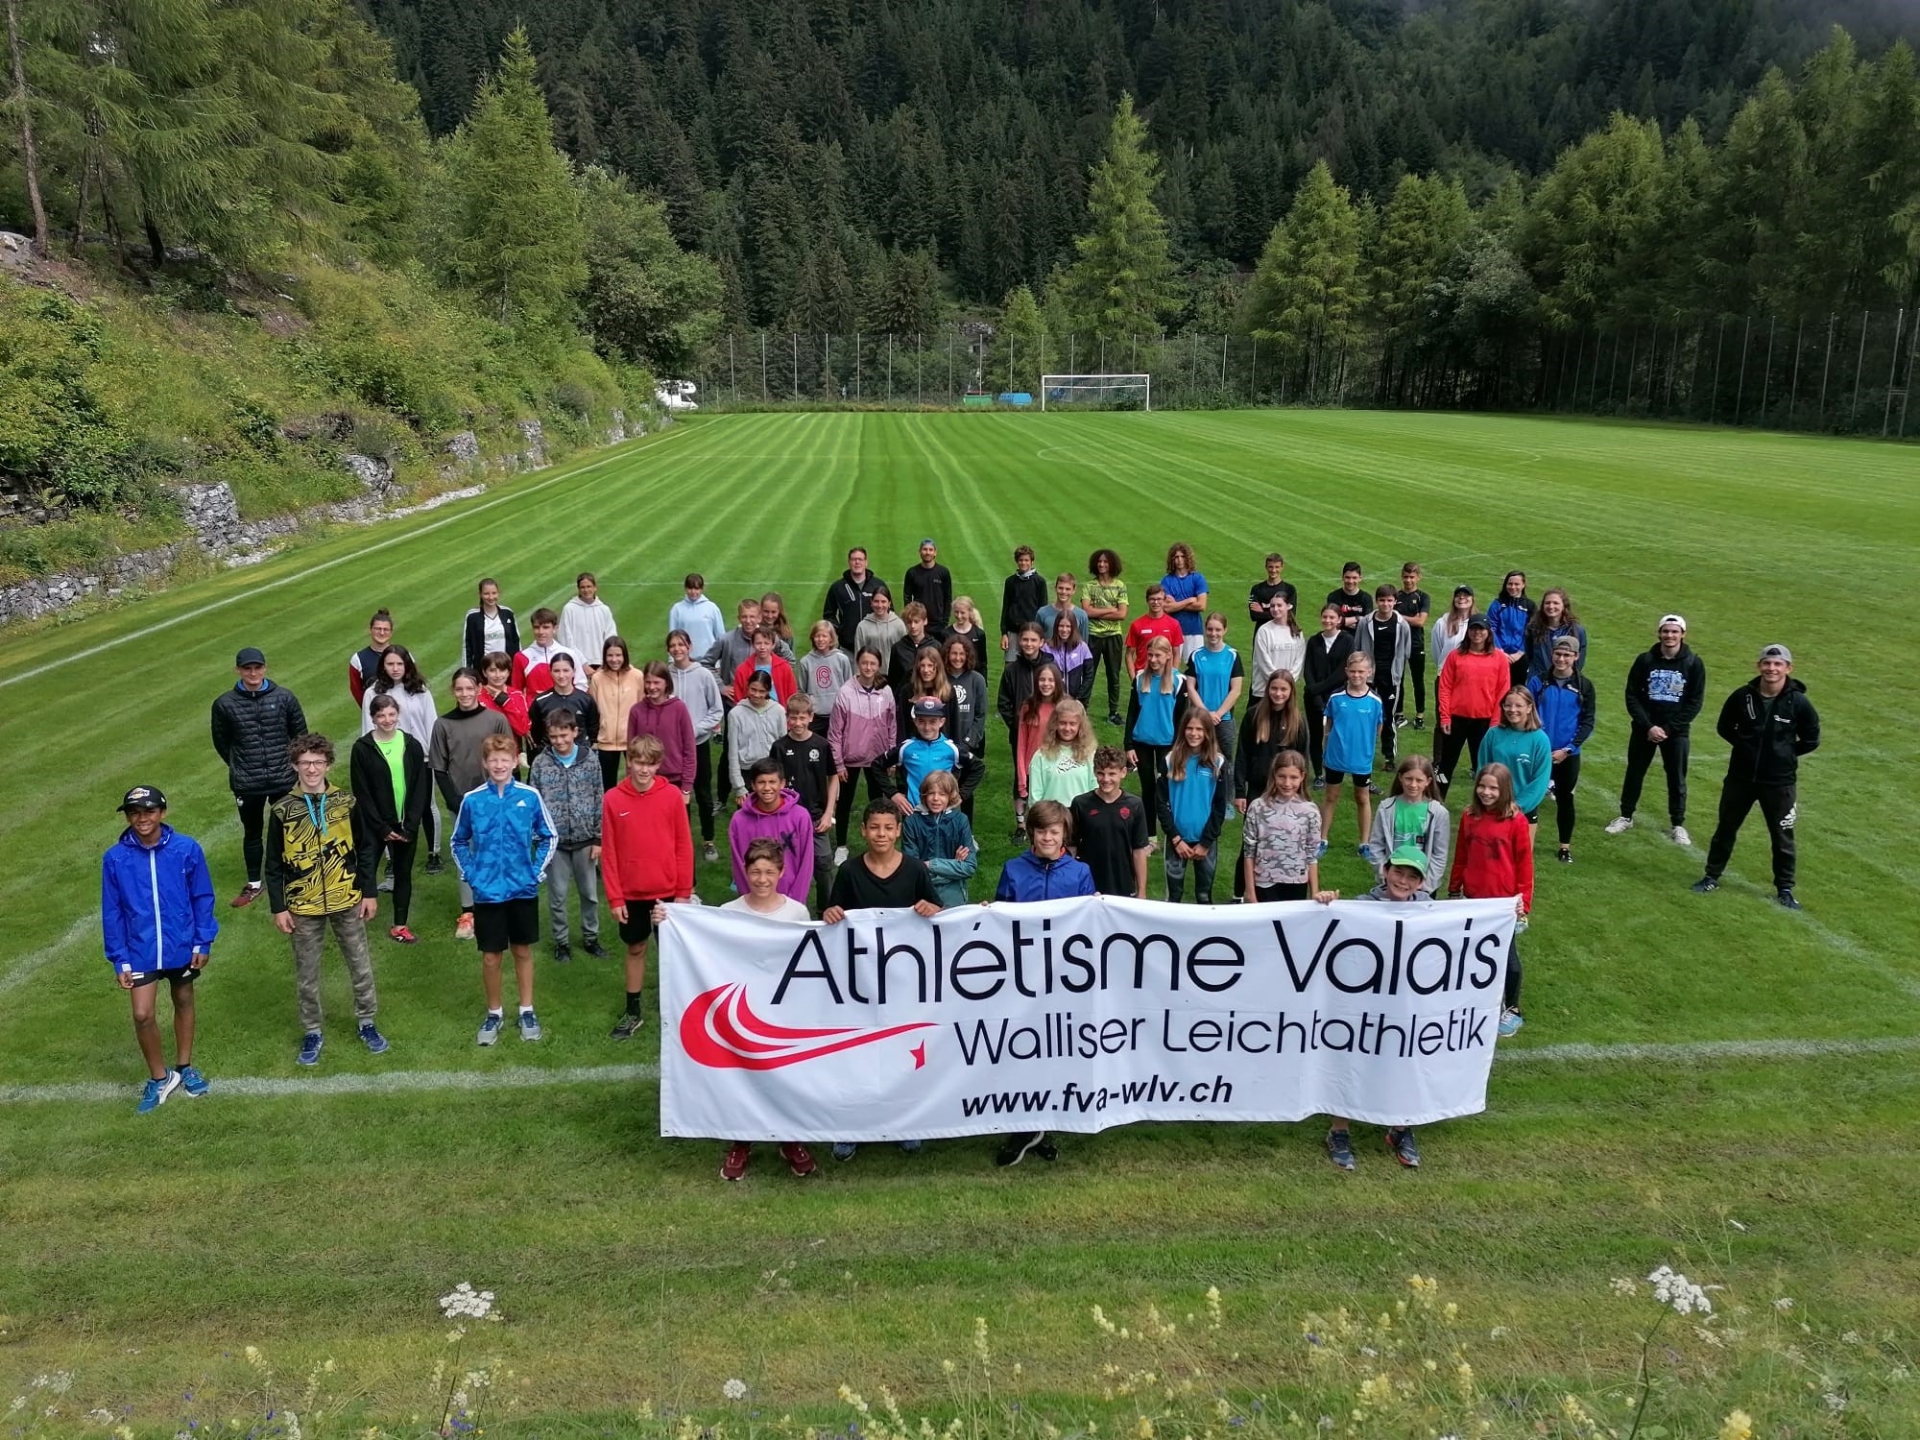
<point>1563,699</point>
<point>502,843</point>
<point>1046,871</point>
<point>156,919</point>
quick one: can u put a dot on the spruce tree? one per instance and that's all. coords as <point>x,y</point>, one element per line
<point>1307,290</point>
<point>1122,281</point>
<point>514,235</point>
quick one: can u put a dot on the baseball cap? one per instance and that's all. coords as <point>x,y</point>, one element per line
<point>1478,622</point>
<point>1411,856</point>
<point>249,656</point>
<point>928,707</point>
<point>1679,620</point>
<point>143,797</point>
<point>1567,642</point>
<point>1776,652</point>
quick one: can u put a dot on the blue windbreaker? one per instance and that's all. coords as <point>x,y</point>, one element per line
<point>502,842</point>
<point>1027,877</point>
<point>1566,710</point>
<point>156,906</point>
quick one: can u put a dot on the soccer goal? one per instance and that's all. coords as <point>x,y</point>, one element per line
<point>1110,391</point>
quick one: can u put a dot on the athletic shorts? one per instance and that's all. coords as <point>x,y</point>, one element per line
<point>1334,777</point>
<point>1285,890</point>
<point>505,923</point>
<point>637,928</point>
<point>172,977</point>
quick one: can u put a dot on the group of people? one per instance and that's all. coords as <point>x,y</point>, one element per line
<point>897,700</point>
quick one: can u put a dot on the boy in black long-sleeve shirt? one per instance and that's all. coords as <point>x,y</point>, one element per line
<point>1021,597</point>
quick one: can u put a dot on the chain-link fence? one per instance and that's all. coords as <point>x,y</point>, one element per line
<point>1839,374</point>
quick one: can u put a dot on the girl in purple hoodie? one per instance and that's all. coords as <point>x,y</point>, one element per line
<point>773,812</point>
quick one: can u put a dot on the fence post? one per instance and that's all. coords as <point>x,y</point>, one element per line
<point>1826,368</point>
<point>1719,346</point>
<point>889,367</point>
<point>952,338</point>
<point>1253,374</point>
<point>919,365</point>
<point>1906,391</point>
<point>1740,389</point>
<point>1223,363</point>
<point>763,367</point>
<point>796,366</point>
<point>1893,370</point>
<point>733,381</point>
<point>1793,388</point>
<point>856,364</point>
<point>1859,368</point>
<point>1766,377</point>
<point>1673,369</point>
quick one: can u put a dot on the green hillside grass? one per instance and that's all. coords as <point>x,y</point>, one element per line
<point>138,1250</point>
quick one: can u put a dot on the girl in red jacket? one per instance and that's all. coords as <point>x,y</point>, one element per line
<point>646,857</point>
<point>1468,694</point>
<point>1492,859</point>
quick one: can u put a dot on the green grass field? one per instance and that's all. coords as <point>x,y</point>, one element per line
<point>1701,1076</point>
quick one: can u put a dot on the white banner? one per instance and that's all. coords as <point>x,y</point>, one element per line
<point>1076,1015</point>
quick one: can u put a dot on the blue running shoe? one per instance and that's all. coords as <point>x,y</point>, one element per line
<point>909,1147</point>
<point>192,1081</point>
<point>156,1092</point>
<point>1321,853</point>
<point>843,1150</point>
<point>310,1048</point>
<point>1510,1023</point>
<point>1400,1142</point>
<point>1340,1148</point>
<point>529,1025</point>
<point>371,1037</point>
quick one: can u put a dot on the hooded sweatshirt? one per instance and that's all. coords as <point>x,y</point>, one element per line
<point>750,737</point>
<point>790,827</point>
<point>695,687</point>
<point>848,603</point>
<point>646,849</point>
<point>1666,692</point>
<point>1566,709</point>
<point>670,723</point>
<point>455,752</point>
<point>1434,837</point>
<point>1027,877</point>
<point>1768,736</point>
<point>1528,755</point>
<point>934,840</point>
<point>615,693</point>
<point>861,728</point>
<point>821,675</point>
<point>156,903</point>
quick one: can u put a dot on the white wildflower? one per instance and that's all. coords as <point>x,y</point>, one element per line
<point>734,1389</point>
<point>100,1417</point>
<point>1679,1293</point>
<point>464,1300</point>
<point>1783,1304</point>
<point>1834,1401</point>
<point>1623,1286</point>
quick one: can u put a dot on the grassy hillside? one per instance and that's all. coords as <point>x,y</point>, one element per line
<point>1705,1081</point>
<point>116,385</point>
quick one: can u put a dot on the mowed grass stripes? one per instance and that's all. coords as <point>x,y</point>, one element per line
<point>328,1223</point>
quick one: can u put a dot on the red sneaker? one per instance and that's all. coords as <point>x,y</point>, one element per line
<point>735,1165</point>
<point>248,894</point>
<point>403,935</point>
<point>463,928</point>
<point>799,1160</point>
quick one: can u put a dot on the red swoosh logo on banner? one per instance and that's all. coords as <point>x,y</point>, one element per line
<point>719,1029</point>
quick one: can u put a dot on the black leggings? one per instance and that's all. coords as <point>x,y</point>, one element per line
<point>1416,677</point>
<point>971,772</point>
<point>703,787</point>
<point>1153,778</point>
<point>877,789</point>
<point>253,831</point>
<point>1285,890</point>
<point>1566,775</point>
<point>1108,651</point>
<point>400,855</point>
<point>1467,733</point>
<point>1511,998</point>
<point>610,768</point>
<point>1316,735</point>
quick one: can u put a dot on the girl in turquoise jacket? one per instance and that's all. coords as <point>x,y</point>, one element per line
<point>1519,743</point>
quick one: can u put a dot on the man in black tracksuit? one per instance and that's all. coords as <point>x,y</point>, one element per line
<point>1770,724</point>
<point>849,599</point>
<point>253,723</point>
<point>1666,689</point>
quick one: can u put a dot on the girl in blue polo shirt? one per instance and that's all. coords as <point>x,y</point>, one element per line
<point>1153,703</point>
<point>1217,680</point>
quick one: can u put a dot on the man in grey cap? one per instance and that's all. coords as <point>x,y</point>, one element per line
<point>1770,724</point>
<point>253,723</point>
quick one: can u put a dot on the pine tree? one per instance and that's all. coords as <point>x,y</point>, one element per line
<point>1121,283</point>
<point>514,237</point>
<point>646,300</point>
<point>1307,290</point>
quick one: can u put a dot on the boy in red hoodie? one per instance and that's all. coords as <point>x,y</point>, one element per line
<point>646,858</point>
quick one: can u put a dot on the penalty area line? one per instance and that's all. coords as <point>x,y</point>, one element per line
<point>1691,1052</point>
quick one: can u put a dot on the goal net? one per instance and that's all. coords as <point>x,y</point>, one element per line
<point>1111,392</point>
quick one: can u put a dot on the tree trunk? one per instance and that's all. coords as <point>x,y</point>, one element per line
<point>41,239</point>
<point>155,245</point>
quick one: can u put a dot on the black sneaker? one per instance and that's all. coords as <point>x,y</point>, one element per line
<point>1047,1151</point>
<point>1340,1148</point>
<point>1419,722</point>
<point>1565,857</point>
<point>562,953</point>
<point>1114,717</point>
<point>1016,1147</point>
<point>1705,885</point>
<point>594,948</point>
<point>628,1024</point>
<point>435,865</point>
<point>1785,898</point>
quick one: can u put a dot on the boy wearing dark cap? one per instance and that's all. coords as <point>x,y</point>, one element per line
<point>156,919</point>
<point>929,750</point>
<point>1770,724</point>
<point>253,723</point>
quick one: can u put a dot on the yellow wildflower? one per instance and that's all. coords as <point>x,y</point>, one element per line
<point>1737,1426</point>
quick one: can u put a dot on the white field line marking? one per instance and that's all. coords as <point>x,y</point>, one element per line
<point>390,1082</point>
<point>347,559</point>
<point>23,969</point>
<point>393,1082</point>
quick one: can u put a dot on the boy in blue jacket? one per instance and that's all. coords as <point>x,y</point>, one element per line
<point>1564,701</point>
<point>156,918</point>
<point>502,843</point>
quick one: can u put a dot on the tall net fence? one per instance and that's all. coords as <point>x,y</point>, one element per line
<point>1836,374</point>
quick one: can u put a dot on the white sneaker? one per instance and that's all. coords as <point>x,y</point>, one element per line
<point>1620,825</point>
<point>839,855</point>
<point>1680,836</point>
<point>386,884</point>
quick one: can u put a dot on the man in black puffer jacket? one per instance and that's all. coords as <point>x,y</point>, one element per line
<point>1770,724</point>
<point>253,723</point>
